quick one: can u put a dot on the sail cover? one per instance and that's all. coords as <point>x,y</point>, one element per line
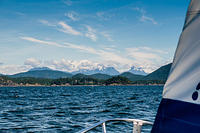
<point>179,110</point>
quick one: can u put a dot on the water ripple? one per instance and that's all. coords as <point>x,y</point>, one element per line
<point>70,109</point>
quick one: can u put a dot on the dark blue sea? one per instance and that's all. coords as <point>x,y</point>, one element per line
<point>70,109</point>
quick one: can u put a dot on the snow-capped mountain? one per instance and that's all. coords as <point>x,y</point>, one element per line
<point>138,71</point>
<point>102,70</point>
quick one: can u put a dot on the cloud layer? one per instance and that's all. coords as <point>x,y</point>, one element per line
<point>145,57</point>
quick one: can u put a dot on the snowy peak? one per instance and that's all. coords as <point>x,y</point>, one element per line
<point>138,71</point>
<point>109,71</point>
<point>102,70</point>
<point>97,69</point>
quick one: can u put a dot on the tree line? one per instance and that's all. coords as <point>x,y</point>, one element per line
<point>116,80</point>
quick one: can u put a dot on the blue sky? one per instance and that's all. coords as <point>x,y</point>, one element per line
<point>69,35</point>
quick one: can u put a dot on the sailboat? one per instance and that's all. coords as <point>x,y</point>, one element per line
<point>179,110</point>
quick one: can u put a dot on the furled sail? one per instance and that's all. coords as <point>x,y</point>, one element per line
<point>179,110</point>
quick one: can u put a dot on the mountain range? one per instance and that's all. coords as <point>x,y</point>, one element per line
<point>103,70</point>
<point>138,71</point>
<point>103,74</point>
<point>42,73</point>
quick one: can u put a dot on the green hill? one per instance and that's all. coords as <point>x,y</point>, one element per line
<point>79,76</point>
<point>131,77</point>
<point>159,74</point>
<point>48,74</point>
<point>100,76</point>
<point>117,80</point>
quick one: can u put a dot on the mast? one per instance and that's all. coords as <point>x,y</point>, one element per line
<point>179,110</point>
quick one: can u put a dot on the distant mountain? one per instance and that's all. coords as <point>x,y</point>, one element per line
<point>137,71</point>
<point>131,77</point>
<point>43,75</point>
<point>40,69</point>
<point>80,75</point>
<point>83,71</point>
<point>159,74</point>
<point>103,73</point>
<point>94,76</point>
<point>49,74</point>
<point>102,70</point>
<point>100,76</point>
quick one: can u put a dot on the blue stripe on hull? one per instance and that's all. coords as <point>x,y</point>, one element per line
<point>177,117</point>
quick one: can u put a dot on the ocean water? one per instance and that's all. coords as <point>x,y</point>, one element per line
<point>70,109</point>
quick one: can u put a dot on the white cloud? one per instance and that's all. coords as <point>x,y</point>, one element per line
<point>66,45</point>
<point>75,65</point>
<point>31,39</point>
<point>70,65</point>
<point>109,48</point>
<point>68,29</point>
<point>144,17</point>
<point>101,16</point>
<point>45,22</point>
<point>144,53</point>
<point>12,69</point>
<point>32,62</point>
<point>107,36</point>
<point>91,33</point>
<point>121,63</point>
<point>154,50</point>
<point>102,53</point>
<point>86,64</point>
<point>20,13</point>
<point>147,58</point>
<point>72,15</point>
<point>62,65</point>
<point>68,2</point>
<point>62,26</point>
<point>81,48</point>
<point>141,10</point>
<point>105,16</point>
<point>112,56</point>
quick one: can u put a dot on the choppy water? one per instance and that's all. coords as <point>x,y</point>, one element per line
<point>70,109</point>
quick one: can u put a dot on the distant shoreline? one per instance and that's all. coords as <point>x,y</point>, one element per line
<point>79,85</point>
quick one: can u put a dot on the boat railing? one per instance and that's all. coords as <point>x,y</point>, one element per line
<point>137,125</point>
